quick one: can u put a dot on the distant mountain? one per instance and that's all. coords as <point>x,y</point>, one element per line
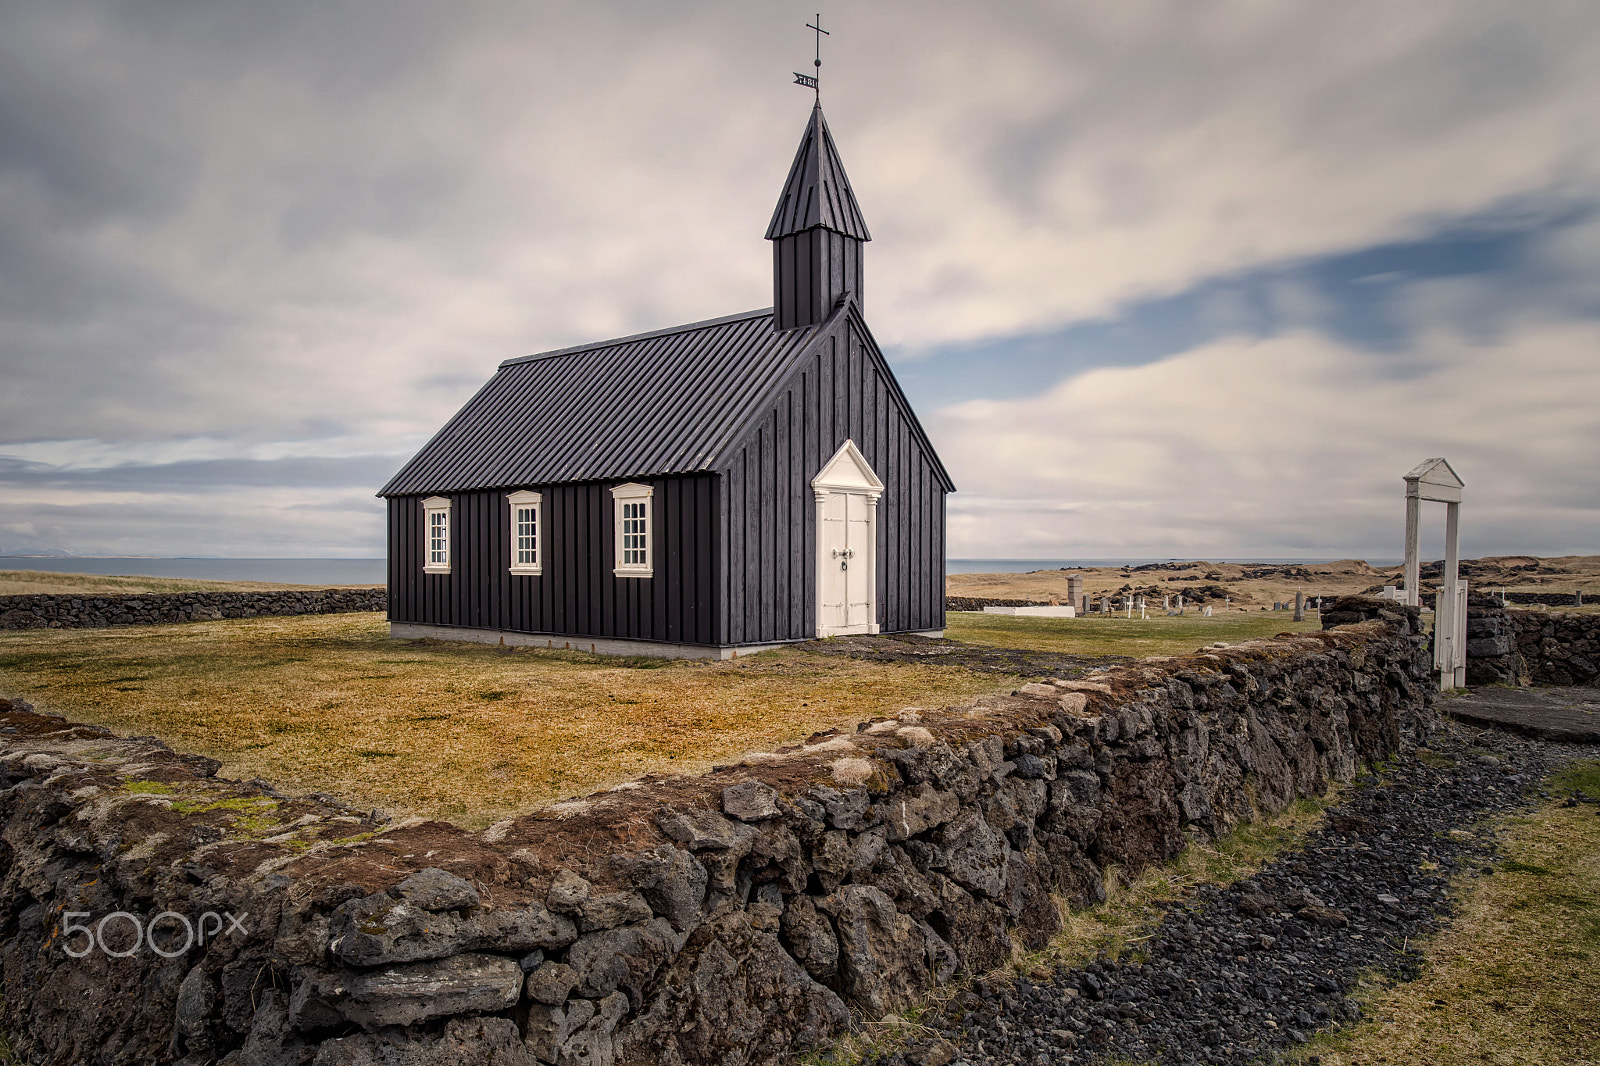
<point>37,553</point>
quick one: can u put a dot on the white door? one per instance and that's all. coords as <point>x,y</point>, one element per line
<point>847,494</point>
<point>847,564</point>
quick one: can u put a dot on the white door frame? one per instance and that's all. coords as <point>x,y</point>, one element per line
<point>849,473</point>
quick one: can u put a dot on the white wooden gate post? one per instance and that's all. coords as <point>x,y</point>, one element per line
<point>1413,573</point>
<point>1434,479</point>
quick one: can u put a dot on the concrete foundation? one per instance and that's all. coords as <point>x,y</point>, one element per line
<point>594,645</point>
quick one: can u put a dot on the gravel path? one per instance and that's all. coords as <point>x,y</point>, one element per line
<point>1234,973</point>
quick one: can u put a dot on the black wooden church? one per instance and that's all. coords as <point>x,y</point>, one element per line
<point>708,489</point>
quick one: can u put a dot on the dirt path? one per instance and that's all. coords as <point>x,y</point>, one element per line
<point>910,648</point>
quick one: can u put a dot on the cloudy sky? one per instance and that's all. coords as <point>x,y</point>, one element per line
<point>1175,278</point>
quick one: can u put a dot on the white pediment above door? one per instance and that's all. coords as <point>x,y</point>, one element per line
<point>848,471</point>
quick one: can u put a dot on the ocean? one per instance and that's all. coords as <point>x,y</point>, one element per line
<point>289,571</point>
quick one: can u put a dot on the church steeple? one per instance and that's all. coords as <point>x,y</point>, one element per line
<point>816,232</point>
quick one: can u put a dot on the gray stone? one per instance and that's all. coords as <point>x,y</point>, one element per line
<point>831,859</point>
<point>607,912</point>
<point>464,1042</point>
<point>197,997</point>
<point>733,997</point>
<point>378,930</point>
<point>750,801</point>
<point>850,810</point>
<point>706,831</point>
<point>972,854</point>
<point>568,893</point>
<point>777,857</point>
<point>919,809</point>
<point>886,958</point>
<point>403,995</point>
<point>551,982</point>
<point>518,929</point>
<point>579,1033</point>
<point>680,893</point>
<point>810,937</point>
<point>436,890</point>
<point>718,842</point>
<point>626,956</point>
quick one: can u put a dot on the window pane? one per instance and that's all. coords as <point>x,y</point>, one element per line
<point>634,533</point>
<point>527,536</point>
<point>438,537</point>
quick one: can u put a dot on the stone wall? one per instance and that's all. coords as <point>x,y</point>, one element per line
<point>1532,647</point>
<point>978,603</point>
<point>731,918</point>
<point>90,612</point>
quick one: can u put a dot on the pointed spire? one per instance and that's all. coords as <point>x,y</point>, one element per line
<point>818,192</point>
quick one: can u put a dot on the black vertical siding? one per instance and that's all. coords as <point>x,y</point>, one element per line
<point>810,271</point>
<point>577,594</point>
<point>843,391</point>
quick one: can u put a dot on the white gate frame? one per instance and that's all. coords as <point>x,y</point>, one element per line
<point>1434,479</point>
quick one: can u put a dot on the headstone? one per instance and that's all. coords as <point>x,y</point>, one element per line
<point>1166,603</point>
<point>1299,606</point>
<point>1075,589</point>
<point>1206,613</point>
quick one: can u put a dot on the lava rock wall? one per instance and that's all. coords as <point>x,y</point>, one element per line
<point>1532,647</point>
<point>91,612</point>
<point>736,917</point>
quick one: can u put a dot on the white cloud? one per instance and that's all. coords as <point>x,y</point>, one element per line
<point>1283,446</point>
<point>312,230</point>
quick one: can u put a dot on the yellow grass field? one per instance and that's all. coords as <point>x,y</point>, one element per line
<point>466,732</point>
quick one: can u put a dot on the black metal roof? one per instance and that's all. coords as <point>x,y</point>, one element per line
<point>665,402</point>
<point>818,192</point>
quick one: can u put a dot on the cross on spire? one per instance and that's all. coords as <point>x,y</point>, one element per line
<point>814,82</point>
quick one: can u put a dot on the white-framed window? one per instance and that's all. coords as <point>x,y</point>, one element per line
<point>527,531</point>
<point>633,530</point>
<point>436,535</point>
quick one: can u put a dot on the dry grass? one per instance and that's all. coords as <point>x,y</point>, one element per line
<point>1115,635</point>
<point>1516,977</point>
<point>49,583</point>
<point>1133,908</point>
<point>465,732</point>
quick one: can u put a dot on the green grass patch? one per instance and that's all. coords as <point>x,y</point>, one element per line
<point>1578,777</point>
<point>1096,635</point>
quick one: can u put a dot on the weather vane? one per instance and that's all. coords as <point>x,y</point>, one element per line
<point>810,82</point>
